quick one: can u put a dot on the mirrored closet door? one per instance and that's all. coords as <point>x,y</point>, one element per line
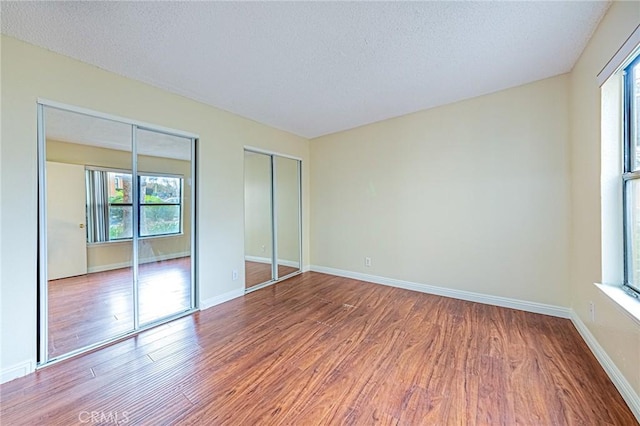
<point>164,218</point>
<point>89,215</point>
<point>116,229</point>
<point>272,218</point>
<point>287,191</point>
<point>258,223</point>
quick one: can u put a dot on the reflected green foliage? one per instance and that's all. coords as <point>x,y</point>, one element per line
<point>118,198</point>
<point>159,219</point>
<point>161,205</point>
<point>119,222</point>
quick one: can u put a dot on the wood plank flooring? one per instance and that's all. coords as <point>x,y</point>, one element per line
<point>317,349</point>
<point>91,308</point>
<point>258,273</point>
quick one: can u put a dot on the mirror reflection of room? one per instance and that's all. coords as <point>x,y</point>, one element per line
<point>164,246</point>
<point>93,295</point>
<point>287,183</point>
<point>258,219</point>
<point>272,204</point>
<point>90,284</point>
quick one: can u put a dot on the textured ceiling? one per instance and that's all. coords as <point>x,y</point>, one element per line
<point>81,129</point>
<point>314,68</point>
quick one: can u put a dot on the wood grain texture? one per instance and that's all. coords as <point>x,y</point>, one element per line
<point>258,273</point>
<point>95,307</point>
<point>317,349</point>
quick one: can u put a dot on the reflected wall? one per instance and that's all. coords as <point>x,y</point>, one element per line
<point>258,219</point>
<point>287,189</point>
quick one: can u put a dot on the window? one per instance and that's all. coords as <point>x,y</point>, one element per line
<point>160,205</point>
<point>110,205</point>
<point>631,175</point>
<point>120,207</point>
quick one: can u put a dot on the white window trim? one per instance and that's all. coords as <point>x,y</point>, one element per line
<point>610,80</point>
<point>621,57</point>
<point>628,304</point>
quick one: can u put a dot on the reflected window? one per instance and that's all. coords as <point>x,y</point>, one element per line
<point>161,205</point>
<point>120,206</point>
<point>110,205</point>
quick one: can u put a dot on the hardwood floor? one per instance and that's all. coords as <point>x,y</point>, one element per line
<point>317,349</point>
<point>258,273</point>
<point>91,308</point>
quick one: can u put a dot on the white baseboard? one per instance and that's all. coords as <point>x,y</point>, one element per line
<point>620,382</point>
<point>112,266</point>
<point>505,302</point>
<point>290,263</point>
<point>225,297</point>
<point>258,259</point>
<point>17,370</point>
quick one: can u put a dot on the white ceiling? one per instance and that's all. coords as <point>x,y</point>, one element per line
<point>82,129</point>
<point>314,68</point>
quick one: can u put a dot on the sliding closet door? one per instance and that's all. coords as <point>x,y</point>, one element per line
<point>87,293</point>
<point>116,228</point>
<point>287,190</point>
<point>164,217</point>
<point>272,212</point>
<point>258,207</point>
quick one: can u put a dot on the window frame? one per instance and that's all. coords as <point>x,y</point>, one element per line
<point>139,206</point>
<point>630,173</point>
<point>143,204</point>
<point>110,205</point>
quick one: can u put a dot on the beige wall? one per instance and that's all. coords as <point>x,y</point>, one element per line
<point>29,72</point>
<point>497,195</point>
<point>470,196</point>
<point>101,257</point>
<point>616,333</point>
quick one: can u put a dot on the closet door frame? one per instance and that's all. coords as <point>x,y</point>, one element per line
<point>43,358</point>
<point>274,211</point>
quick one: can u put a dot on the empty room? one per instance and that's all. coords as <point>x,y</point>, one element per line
<point>309,213</point>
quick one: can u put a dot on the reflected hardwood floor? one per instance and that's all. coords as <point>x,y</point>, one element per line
<point>258,273</point>
<point>317,349</point>
<point>91,308</point>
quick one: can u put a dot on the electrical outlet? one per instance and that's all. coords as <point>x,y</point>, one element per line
<point>592,311</point>
<point>234,274</point>
<point>367,262</point>
<point>264,248</point>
